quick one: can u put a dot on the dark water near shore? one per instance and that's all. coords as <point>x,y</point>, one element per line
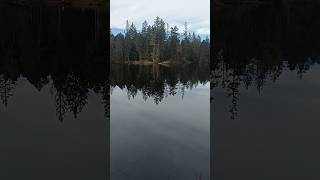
<point>54,93</point>
<point>160,126</point>
<point>265,84</point>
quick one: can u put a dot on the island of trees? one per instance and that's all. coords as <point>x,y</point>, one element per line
<point>158,44</point>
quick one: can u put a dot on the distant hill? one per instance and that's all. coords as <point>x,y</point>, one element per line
<point>118,30</point>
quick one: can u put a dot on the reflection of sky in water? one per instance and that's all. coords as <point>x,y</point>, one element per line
<point>34,143</point>
<point>276,132</point>
<point>171,139</point>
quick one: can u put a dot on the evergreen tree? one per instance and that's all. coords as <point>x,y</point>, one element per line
<point>154,43</point>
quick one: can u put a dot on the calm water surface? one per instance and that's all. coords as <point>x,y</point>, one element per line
<point>265,84</point>
<point>160,126</point>
<point>37,145</point>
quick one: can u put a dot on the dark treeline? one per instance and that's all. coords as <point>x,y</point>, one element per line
<point>62,48</point>
<point>157,82</point>
<point>254,45</point>
<point>267,33</point>
<point>275,3</point>
<point>73,3</point>
<point>157,43</point>
<point>52,33</point>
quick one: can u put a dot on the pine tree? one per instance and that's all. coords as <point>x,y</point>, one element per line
<point>155,43</point>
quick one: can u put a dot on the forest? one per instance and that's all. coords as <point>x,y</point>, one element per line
<point>157,43</point>
<point>71,3</point>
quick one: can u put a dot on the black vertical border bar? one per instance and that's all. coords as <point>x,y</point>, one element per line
<point>212,16</point>
<point>107,30</point>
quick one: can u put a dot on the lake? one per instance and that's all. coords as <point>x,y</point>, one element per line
<point>52,133</point>
<point>265,92</point>
<point>159,122</point>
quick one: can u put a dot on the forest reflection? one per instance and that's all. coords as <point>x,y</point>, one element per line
<point>156,81</point>
<point>64,48</point>
<point>256,44</point>
<point>70,91</point>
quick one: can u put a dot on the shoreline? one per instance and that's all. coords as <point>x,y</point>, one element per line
<point>148,63</point>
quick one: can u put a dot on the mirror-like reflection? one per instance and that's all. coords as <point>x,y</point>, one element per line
<point>54,92</point>
<point>156,81</point>
<point>265,90</point>
<point>159,122</point>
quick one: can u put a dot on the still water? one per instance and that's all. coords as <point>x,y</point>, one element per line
<point>160,123</point>
<point>265,84</point>
<point>42,138</point>
<point>54,96</point>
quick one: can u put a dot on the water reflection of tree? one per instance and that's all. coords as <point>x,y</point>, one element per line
<point>6,88</point>
<point>71,95</point>
<point>254,45</point>
<point>157,82</point>
<point>105,91</point>
<point>60,102</point>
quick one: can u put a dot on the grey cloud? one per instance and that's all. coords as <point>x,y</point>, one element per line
<point>175,12</point>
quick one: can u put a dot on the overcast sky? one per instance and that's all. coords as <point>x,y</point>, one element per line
<point>174,12</point>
